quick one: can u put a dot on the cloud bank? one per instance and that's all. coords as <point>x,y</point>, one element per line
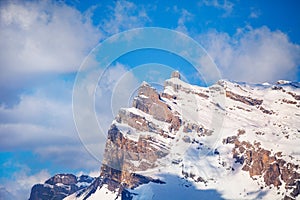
<point>253,55</point>
<point>43,37</point>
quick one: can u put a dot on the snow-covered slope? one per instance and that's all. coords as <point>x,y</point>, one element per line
<point>228,141</point>
<point>102,193</point>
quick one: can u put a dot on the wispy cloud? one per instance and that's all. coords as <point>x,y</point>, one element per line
<point>124,15</point>
<point>254,13</point>
<point>185,16</point>
<point>253,55</point>
<point>225,5</point>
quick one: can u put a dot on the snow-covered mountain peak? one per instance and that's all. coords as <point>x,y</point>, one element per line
<point>227,141</point>
<point>59,186</point>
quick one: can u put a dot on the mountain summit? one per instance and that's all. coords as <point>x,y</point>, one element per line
<point>227,141</point>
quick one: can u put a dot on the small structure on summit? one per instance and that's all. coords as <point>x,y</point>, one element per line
<point>175,74</point>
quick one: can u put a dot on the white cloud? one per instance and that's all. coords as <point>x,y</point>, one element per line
<point>253,55</point>
<point>124,15</point>
<point>20,183</point>
<point>24,181</point>
<point>94,173</point>
<point>44,124</point>
<point>42,37</point>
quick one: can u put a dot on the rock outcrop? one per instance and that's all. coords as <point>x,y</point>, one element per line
<point>262,163</point>
<point>244,99</point>
<point>150,102</point>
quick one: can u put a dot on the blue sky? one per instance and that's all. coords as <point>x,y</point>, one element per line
<point>43,44</point>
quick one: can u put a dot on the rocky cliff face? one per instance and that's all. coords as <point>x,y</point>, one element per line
<point>239,140</point>
<point>266,165</point>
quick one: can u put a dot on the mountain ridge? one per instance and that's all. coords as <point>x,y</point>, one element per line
<point>199,138</point>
